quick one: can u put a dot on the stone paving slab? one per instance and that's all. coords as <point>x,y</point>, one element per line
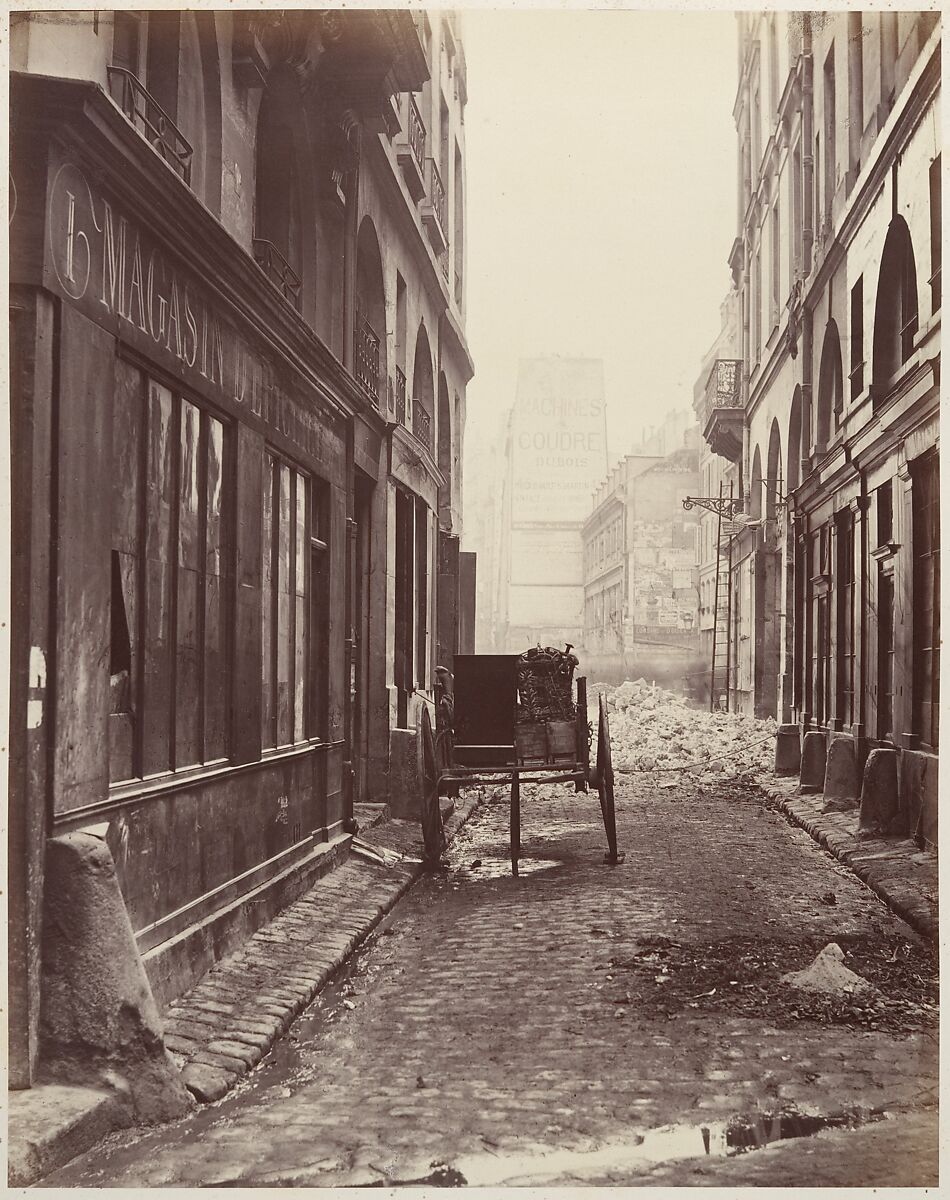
<point>904,876</point>
<point>225,1025</point>
<point>51,1123</point>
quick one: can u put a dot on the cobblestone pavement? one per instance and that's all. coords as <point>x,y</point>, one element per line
<point>550,1029</point>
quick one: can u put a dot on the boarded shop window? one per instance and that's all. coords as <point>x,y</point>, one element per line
<point>412,599</point>
<point>925,498</point>
<point>169,658</point>
<point>818,583</point>
<point>422,590</point>
<point>845,593</point>
<point>318,695</point>
<point>286,547</point>
<point>885,652</point>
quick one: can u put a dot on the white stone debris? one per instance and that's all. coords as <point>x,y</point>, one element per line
<point>827,973</point>
<point>653,730</point>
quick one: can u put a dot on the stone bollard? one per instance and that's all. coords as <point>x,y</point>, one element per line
<point>881,812</point>
<point>788,750</point>
<point>812,777</point>
<point>99,1022</point>
<point>841,776</point>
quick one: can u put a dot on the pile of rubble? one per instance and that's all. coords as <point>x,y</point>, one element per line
<point>652,730</point>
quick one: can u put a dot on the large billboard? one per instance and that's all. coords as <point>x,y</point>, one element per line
<point>558,440</point>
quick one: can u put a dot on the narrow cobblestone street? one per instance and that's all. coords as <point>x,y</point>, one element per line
<point>557,1028</point>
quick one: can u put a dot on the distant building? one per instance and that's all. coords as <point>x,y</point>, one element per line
<point>555,452</point>
<point>639,545</point>
<point>660,440</point>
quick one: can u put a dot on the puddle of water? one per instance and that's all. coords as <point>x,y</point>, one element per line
<point>500,868</point>
<point>719,1139</point>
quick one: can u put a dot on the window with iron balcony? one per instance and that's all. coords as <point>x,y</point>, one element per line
<point>366,357</point>
<point>151,120</point>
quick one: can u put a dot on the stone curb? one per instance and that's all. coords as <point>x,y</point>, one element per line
<point>904,876</point>
<point>222,1029</point>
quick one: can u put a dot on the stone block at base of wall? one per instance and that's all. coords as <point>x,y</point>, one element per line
<point>842,784</point>
<point>918,790</point>
<point>880,811</point>
<point>788,750</point>
<point>99,1023</point>
<point>814,759</point>
<point>405,775</point>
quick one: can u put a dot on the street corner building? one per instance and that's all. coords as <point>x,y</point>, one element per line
<point>819,407</point>
<point>238,367</point>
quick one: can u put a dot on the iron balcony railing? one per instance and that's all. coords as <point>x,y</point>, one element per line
<point>437,193</point>
<point>458,284</point>
<point>399,397</point>
<point>416,132</point>
<point>421,425</point>
<point>277,269</point>
<point>151,120</point>
<point>367,357</point>
<point>724,386</point>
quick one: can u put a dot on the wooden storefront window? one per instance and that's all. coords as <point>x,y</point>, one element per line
<point>819,574</point>
<point>844,589</point>
<point>885,651</point>
<point>284,608</point>
<point>925,498</point>
<point>169,662</point>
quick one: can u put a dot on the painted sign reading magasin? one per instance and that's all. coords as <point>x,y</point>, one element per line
<point>559,440</point>
<point>118,273</point>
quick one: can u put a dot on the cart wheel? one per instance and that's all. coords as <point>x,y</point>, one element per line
<point>433,835</point>
<point>605,784</point>
<point>582,744</point>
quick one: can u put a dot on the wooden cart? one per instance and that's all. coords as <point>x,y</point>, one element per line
<point>513,718</point>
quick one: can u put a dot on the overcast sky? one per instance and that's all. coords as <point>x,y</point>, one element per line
<point>601,170</point>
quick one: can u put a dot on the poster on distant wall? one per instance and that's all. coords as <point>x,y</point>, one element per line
<point>558,440</point>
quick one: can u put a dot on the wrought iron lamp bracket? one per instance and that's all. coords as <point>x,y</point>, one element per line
<point>722,506</point>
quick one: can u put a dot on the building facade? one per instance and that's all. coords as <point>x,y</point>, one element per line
<point>640,580</point>
<point>554,452</point>
<point>832,436</point>
<point>238,369</point>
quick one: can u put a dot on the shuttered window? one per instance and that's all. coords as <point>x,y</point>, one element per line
<point>926,531</point>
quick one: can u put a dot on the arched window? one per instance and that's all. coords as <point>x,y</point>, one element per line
<point>755,497</point>
<point>795,442</point>
<point>830,391</point>
<point>370,331</point>
<point>445,453</point>
<point>422,390</point>
<point>895,309</point>
<point>774,483</point>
